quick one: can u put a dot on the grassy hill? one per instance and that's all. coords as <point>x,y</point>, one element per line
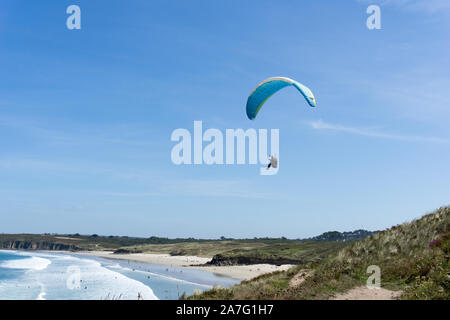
<point>413,257</point>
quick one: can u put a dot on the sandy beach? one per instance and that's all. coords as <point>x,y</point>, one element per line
<point>237,272</point>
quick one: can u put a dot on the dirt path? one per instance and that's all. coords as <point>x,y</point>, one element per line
<point>364,293</point>
<point>299,278</point>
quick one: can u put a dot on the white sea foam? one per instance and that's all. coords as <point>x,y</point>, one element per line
<point>41,295</point>
<point>47,274</point>
<point>117,283</point>
<point>98,282</point>
<point>32,263</point>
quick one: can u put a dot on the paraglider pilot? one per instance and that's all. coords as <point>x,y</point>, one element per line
<point>273,162</point>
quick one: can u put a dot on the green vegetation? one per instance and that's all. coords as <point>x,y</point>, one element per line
<point>279,253</point>
<point>204,248</point>
<point>225,252</point>
<point>77,242</point>
<point>413,257</point>
<point>344,236</point>
<point>72,242</point>
<point>265,287</point>
<point>251,251</point>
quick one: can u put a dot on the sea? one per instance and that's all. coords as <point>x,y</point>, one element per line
<point>38,275</point>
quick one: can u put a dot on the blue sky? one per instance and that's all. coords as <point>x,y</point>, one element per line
<point>86,116</point>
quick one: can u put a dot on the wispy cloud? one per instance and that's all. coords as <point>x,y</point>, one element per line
<point>321,125</point>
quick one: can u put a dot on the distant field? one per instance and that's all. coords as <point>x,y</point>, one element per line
<point>248,251</point>
<point>65,242</point>
<point>201,249</point>
<point>225,252</point>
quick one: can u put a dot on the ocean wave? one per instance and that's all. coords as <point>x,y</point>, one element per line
<point>32,263</point>
<point>94,282</point>
<point>118,284</point>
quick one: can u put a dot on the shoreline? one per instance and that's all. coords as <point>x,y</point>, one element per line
<point>242,272</point>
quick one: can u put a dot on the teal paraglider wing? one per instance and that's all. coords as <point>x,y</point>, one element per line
<point>268,87</point>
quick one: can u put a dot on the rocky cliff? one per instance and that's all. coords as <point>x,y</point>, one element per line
<point>30,245</point>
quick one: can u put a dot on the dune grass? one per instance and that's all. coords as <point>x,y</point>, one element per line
<point>413,257</point>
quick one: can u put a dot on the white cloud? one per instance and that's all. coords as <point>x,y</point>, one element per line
<point>321,125</point>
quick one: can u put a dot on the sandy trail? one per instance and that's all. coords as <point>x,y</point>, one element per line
<point>298,279</point>
<point>365,293</point>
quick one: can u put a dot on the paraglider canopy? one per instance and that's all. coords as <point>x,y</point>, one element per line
<point>268,87</point>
